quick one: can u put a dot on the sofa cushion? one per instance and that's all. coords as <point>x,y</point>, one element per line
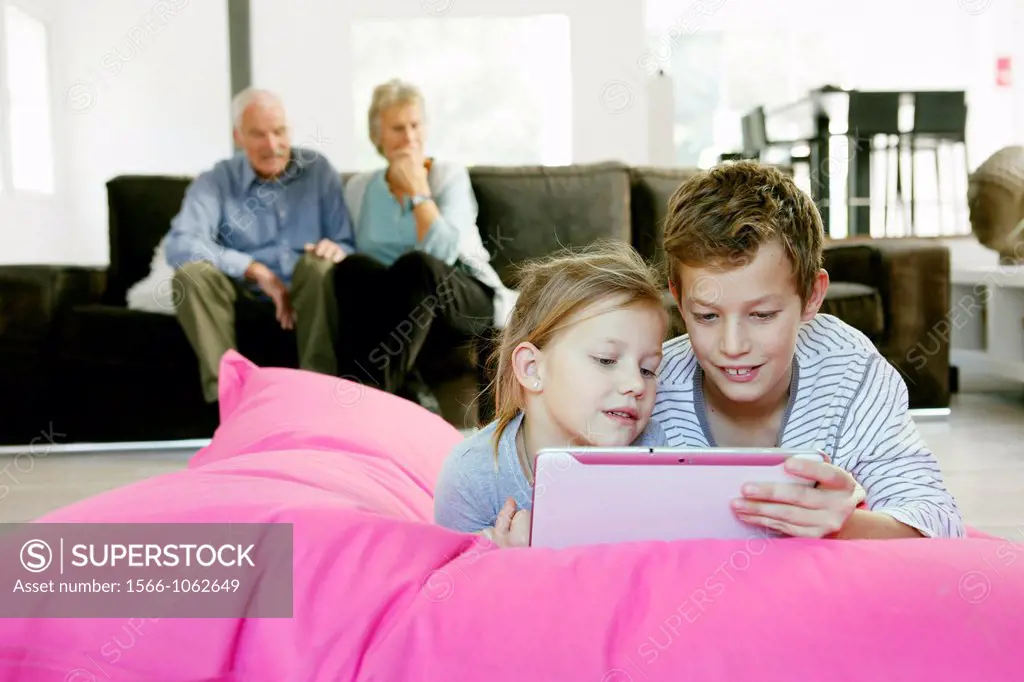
<point>529,212</point>
<point>121,374</point>
<point>104,334</point>
<point>99,334</point>
<point>141,208</point>
<point>852,262</point>
<point>651,188</point>
<point>99,343</point>
<point>857,305</point>
<point>31,296</point>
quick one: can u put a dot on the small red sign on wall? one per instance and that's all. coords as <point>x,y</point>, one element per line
<point>1004,76</point>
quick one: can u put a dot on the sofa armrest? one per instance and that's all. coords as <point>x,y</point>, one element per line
<point>32,296</point>
<point>912,277</point>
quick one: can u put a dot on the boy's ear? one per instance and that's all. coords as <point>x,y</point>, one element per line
<point>674,290</point>
<point>527,360</point>
<point>817,297</point>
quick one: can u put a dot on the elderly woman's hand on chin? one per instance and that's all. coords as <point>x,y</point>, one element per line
<point>408,174</point>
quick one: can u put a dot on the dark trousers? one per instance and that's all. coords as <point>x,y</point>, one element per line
<point>392,320</point>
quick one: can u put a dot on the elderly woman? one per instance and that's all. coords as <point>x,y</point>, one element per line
<point>420,278</point>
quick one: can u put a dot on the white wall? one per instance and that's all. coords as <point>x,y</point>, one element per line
<point>144,88</point>
<point>302,49</point>
<point>1000,36</point>
<point>137,92</point>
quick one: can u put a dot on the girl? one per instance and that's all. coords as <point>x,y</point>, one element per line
<point>576,366</point>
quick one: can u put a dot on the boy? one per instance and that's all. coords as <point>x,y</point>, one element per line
<point>760,368</point>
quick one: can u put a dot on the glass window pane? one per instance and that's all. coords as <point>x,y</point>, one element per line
<point>497,90</point>
<point>28,82</point>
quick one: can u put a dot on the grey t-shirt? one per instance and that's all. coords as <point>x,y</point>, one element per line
<point>472,486</point>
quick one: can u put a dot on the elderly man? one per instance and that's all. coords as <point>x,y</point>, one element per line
<point>268,223</point>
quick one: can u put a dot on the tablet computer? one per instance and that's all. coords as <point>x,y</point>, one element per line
<point>604,495</point>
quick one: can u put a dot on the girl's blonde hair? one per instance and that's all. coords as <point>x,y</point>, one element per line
<point>552,290</point>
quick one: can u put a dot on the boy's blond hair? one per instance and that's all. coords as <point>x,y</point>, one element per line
<point>721,217</point>
<point>552,291</point>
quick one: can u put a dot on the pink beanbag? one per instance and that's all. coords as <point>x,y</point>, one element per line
<point>380,593</point>
<point>268,409</point>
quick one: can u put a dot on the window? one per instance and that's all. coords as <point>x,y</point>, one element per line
<point>28,116</point>
<point>497,90</point>
<point>724,65</point>
<point>719,76</point>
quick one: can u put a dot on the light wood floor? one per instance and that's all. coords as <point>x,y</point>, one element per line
<point>980,448</point>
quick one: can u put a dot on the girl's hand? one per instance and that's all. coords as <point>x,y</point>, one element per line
<point>800,510</point>
<point>512,528</point>
<point>520,533</point>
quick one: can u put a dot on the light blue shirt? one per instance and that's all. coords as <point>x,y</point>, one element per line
<point>386,228</point>
<point>454,236</point>
<point>472,487</point>
<point>231,217</point>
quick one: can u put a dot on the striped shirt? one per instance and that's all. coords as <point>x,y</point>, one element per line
<point>846,400</point>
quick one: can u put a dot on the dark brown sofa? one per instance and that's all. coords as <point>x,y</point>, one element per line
<point>73,356</point>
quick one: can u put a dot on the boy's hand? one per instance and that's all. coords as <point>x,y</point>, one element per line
<point>512,528</point>
<point>800,510</point>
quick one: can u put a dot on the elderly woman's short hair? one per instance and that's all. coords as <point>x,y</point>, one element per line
<point>386,95</point>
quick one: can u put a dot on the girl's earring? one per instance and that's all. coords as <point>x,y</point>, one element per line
<point>536,383</point>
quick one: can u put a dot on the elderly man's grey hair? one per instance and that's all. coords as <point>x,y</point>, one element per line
<point>386,95</point>
<point>246,98</point>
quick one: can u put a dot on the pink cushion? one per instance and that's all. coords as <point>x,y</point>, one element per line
<point>263,409</point>
<point>381,593</point>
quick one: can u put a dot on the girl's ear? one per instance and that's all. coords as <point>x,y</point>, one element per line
<point>527,360</point>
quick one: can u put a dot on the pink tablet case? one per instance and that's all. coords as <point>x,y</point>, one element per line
<point>594,496</point>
